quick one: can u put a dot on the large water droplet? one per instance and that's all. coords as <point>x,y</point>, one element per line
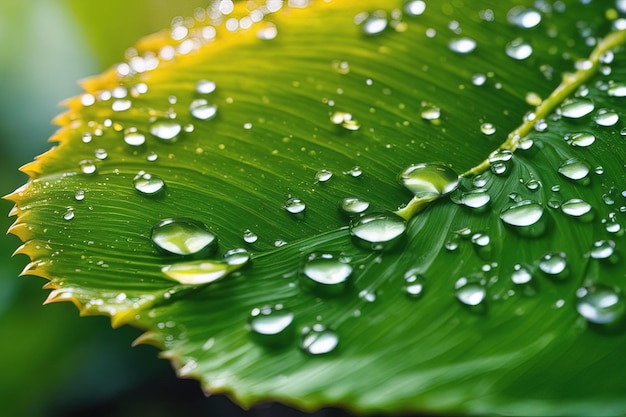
<point>525,217</point>
<point>487,128</point>
<point>378,231</point>
<point>576,108</point>
<point>295,206</point>
<point>475,199</point>
<point>352,206</point>
<point>462,45</point>
<point>600,304</point>
<point>606,118</point>
<point>414,7</point>
<point>576,207</point>
<point>554,264</point>
<point>518,49</point>
<point>87,167</point>
<point>617,89</point>
<point>323,175</point>
<point>165,129</point>
<point>203,110</point>
<point>134,137</point>
<point>574,169</point>
<point>521,274</point>
<point>148,184</point>
<point>470,292</point>
<point>326,274</point>
<point>183,236</point>
<point>272,326</point>
<point>413,283</point>
<point>318,340</point>
<point>429,180</point>
<point>237,257</point>
<point>197,272</point>
<point>249,236</point>
<point>205,87</point>
<point>603,249</point>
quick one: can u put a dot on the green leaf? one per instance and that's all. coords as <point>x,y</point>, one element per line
<point>504,295</point>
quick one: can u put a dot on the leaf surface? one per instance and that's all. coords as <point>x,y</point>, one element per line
<point>304,90</point>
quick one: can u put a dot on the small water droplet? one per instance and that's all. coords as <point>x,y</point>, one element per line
<point>295,206</point>
<point>533,185</point>
<point>183,236</point>
<point>80,195</point>
<point>522,274</point>
<point>414,7</point>
<point>205,87</point>
<point>267,32</point>
<point>326,274</point>
<point>378,231</point>
<point>318,340</point>
<point>152,156</point>
<point>374,23</point>
<point>148,184</point>
<point>554,264</point>
<point>600,304</point>
<point>345,120</point>
<point>500,161</point>
<point>353,206</point>
<point>133,137</point>
<point>341,67</point>
<point>237,257</point>
<point>479,79</point>
<point>429,181</point>
<point>470,292</point>
<point>430,111</point>
<point>121,105</point>
<point>482,244</point>
<point>413,283</point>
<point>354,172</point>
<point>487,128</point>
<point>165,129</point>
<point>101,154</point>
<point>603,249</point>
<point>323,175</point>
<point>580,139</point>
<point>451,245</point>
<point>69,214</point>
<point>574,169</point>
<point>203,110</point>
<point>523,17</point>
<point>367,295</point>
<point>518,49</point>
<point>606,118</point>
<point>249,236</point>
<point>87,167</point>
<point>575,108</point>
<point>272,325</point>
<point>462,45</point>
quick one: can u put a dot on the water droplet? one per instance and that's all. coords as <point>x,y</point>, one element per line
<point>326,274</point>
<point>183,236</point>
<point>345,120</point>
<point>69,214</point>
<point>205,87</point>
<point>249,236</point>
<point>367,295</point>
<point>470,292</point>
<point>603,249</point>
<point>574,169</point>
<point>353,206</point>
<point>318,340</point>
<point>451,245</point>
<point>374,23</point>
<point>606,118</point>
<point>165,129</point>
<point>295,206</point>
<point>575,108</point>
<point>148,184</point>
<point>500,160</point>
<point>523,17</point>
<point>600,304</point>
<point>576,207</point>
<point>87,137</point>
<point>121,105</point>
<point>479,79</point>
<point>533,185</point>
<point>237,257</point>
<point>203,110</point>
<point>413,283</point>
<point>323,175</point>
<point>341,67</point>
<point>522,274</point>
<point>487,128</point>
<point>430,111</point>
<point>518,49</point>
<point>475,198</point>
<point>101,154</point>
<point>482,244</point>
<point>525,218</point>
<point>272,326</point>
<point>152,156</point>
<point>462,45</point>
<point>429,180</point>
<point>415,7</point>
<point>134,138</point>
<point>554,264</point>
<point>354,172</point>
<point>617,89</point>
<point>580,139</point>
<point>268,32</point>
<point>80,195</point>
<point>378,231</point>
<point>87,167</point>
<point>197,272</point>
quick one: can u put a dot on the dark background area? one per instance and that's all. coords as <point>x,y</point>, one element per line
<point>53,362</point>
